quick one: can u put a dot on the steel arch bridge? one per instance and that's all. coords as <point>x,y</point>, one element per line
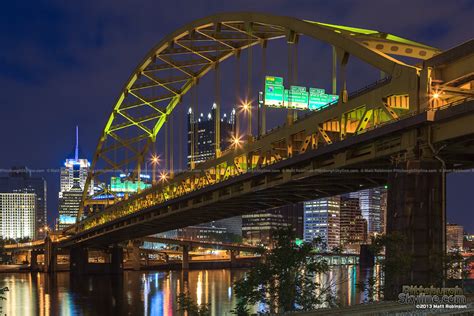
<point>177,62</point>
<point>418,118</point>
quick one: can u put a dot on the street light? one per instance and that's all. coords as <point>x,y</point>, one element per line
<point>247,107</point>
<point>45,228</point>
<point>163,176</point>
<point>236,141</point>
<point>155,161</point>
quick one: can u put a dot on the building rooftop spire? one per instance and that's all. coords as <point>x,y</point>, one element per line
<point>76,149</point>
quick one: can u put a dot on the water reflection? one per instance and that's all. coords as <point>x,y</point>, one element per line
<point>145,293</point>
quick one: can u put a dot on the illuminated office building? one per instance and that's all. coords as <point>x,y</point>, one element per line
<point>353,227</point>
<point>72,180</point>
<point>258,227</point>
<point>123,184</point>
<point>202,233</point>
<point>201,131</point>
<point>69,204</point>
<point>454,237</point>
<point>75,167</point>
<point>373,208</point>
<point>321,219</point>
<point>17,215</point>
<point>383,210</point>
<point>21,180</point>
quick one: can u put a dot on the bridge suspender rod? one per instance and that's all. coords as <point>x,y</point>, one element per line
<point>237,95</point>
<point>191,130</point>
<point>295,69</point>
<point>291,38</point>
<point>192,127</point>
<point>180,138</point>
<point>171,148</point>
<point>334,70</point>
<point>217,113</point>
<point>263,127</point>
<point>166,145</point>
<point>249,82</point>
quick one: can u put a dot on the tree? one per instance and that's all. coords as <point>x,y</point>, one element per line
<point>395,265</point>
<point>187,304</point>
<point>284,280</point>
<point>2,295</point>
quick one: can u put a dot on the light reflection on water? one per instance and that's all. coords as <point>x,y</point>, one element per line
<point>144,293</point>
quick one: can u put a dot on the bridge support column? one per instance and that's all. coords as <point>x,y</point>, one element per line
<point>116,261</point>
<point>34,261</point>
<point>50,256</point>
<point>416,215</point>
<point>134,254</point>
<point>233,257</point>
<point>185,265</point>
<point>78,260</point>
<point>366,256</point>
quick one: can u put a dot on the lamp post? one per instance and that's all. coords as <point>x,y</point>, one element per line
<point>155,160</point>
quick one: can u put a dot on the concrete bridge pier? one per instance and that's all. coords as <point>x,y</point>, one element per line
<point>34,267</point>
<point>134,254</point>
<point>116,260</point>
<point>78,260</point>
<point>416,215</point>
<point>233,257</point>
<point>185,261</point>
<point>50,256</point>
<point>366,256</point>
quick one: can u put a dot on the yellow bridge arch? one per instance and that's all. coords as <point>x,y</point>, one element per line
<point>178,61</point>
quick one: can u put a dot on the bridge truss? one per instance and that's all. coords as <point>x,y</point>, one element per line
<point>177,63</point>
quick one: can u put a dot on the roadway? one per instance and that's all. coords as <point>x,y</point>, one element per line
<point>356,163</point>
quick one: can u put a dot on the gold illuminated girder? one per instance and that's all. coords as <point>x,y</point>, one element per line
<point>177,63</point>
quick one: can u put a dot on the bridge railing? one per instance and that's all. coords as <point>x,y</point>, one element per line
<point>29,244</point>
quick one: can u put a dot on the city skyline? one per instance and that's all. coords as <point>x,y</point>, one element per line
<point>243,157</point>
<point>65,43</point>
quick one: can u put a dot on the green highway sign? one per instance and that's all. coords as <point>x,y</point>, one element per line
<point>274,80</point>
<point>274,91</point>
<point>315,91</point>
<point>296,97</point>
<point>318,98</point>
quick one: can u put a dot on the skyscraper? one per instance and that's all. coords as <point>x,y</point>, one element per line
<point>201,147</point>
<point>17,215</point>
<point>258,227</point>
<point>353,227</point>
<point>454,237</point>
<point>75,167</point>
<point>20,180</point>
<point>371,206</point>
<point>201,131</point>
<point>383,210</point>
<point>69,204</point>
<point>73,178</point>
<point>321,219</point>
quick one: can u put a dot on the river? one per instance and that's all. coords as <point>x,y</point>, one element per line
<point>143,293</point>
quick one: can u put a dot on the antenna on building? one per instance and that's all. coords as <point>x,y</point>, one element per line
<point>76,149</point>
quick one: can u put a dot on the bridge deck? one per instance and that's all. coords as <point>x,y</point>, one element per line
<point>345,166</point>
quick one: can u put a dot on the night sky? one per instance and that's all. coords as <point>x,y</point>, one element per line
<point>63,63</point>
